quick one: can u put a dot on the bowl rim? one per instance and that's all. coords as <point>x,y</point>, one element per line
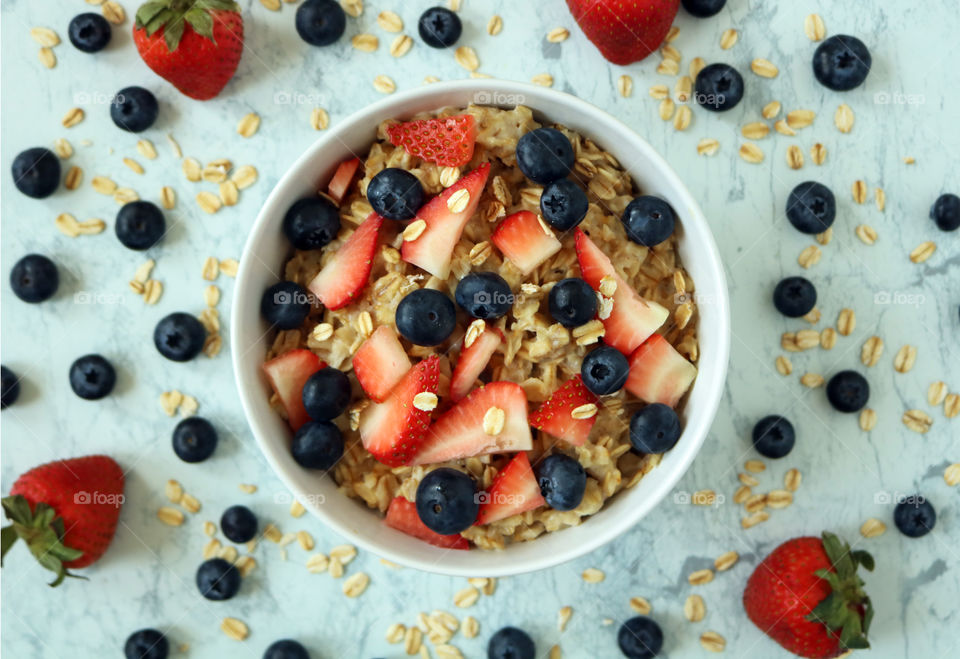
<point>691,216</point>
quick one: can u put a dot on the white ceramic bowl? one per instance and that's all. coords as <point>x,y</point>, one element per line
<point>267,249</point>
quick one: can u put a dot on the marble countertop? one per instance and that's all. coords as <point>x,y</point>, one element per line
<point>906,109</point>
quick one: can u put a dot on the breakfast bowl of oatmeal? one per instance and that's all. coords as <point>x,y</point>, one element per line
<point>480,328</point>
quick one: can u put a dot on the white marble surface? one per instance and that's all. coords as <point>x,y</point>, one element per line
<point>146,577</point>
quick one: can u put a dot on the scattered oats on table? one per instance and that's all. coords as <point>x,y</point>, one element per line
<point>640,605</point>
<point>729,38</point>
<point>694,608</point>
<point>871,351</point>
<point>868,419</point>
<point>700,577</point>
<point>918,421</point>
<point>248,125</point>
<point>593,575</point>
<point>872,528</point>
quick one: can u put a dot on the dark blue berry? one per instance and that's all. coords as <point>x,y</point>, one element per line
<point>140,225</point>
<point>604,370</point>
<point>914,516</point>
<point>194,439</point>
<point>794,297</point>
<point>34,278</point>
<point>326,394</point>
<point>134,109</point>
<point>317,445</point>
<point>654,428</point>
<point>179,337</point>
<point>572,302</point>
<point>562,481</point>
<point>511,643</point>
<point>285,305</point>
<point>321,22</point>
<point>218,579</point>
<point>36,172</point>
<point>311,223</point>
<point>544,155</point>
<point>238,524</point>
<point>484,295</point>
<point>640,638</point>
<point>92,377</point>
<point>648,220</point>
<point>848,391</point>
<point>426,317</point>
<point>439,27</point>
<point>946,212</point>
<point>719,87</point>
<point>703,8</point>
<point>773,436</point>
<point>842,62</point>
<point>9,387</point>
<point>89,32</point>
<point>563,204</point>
<point>286,649</point>
<point>447,501</point>
<point>811,207</point>
<point>395,193</point>
<point>146,644</point>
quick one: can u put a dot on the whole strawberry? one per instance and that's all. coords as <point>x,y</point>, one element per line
<point>66,511</point>
<point>806,596</point>
<point>193,44</point>
<point>625,31</point>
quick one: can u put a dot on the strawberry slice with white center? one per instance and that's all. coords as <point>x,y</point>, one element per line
<point>446,141</point>
<point>380,363</point>
<point>346,274</point>
<point>393,430</point>
<point>514,490</point>
<point>402,516</point>
<point>473,359</point>
<point>445,216</point>
<point>633,319</point>
<point>287,375</point>
<point>459,432</point>
<point>338,185</point>
<point>555,415</point>
<point>526,240</point>
<point>658,373</point>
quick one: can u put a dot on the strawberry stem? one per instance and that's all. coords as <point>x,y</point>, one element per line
<point>847,609</point>
<point>42,531</point>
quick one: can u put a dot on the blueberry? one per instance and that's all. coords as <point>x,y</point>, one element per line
<point>848,391</point>
<point>311,223</point>
<point>773,436</point>
<point>9,387</point>
<point>447,501</point>
<point>640,638</point>
<point>36,172</point>
<point>914,516</point>
<point>648,220</point>
<point>285,305</point>
<point>218,579</point>
<point>140,225</point>
<point>146,644</point>
<point>179,337</point>
<point>544,155</point>
<point>194,439</point>
<point>34,278</point>
<point>511,643</point>
<point>563,204</point>
<point>321,22</point>
<point>286,649</point>
<point>794,297</point>
<point>604,370</point>
<point>89,32</point>
<point>92,377</point>
<point>654,428</point>
<point>562,481</point>
<point>326,394</point>
<point>395,193</point>
<point>703,8</point>
<point>841,62</point>
<point>572,302</point>
<point>811,208</point>
<point>134,109</point>
<point>484,295</point>
<point>239,524</point>
<point>946,212</point>
<point>426,317</point>
<point>439,27</point>
<point>719,87</point>
<point>317,445</point>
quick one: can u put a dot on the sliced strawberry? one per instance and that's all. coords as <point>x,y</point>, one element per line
<point>658,373</point>
<point>402,516</point>
<point>338,185</point>
<point>393,430</point>
<point>447,141</point>
<point>633,319</point>
<point>380,363</point>
<point>554,415</point>
<point>432,250</point>
<point>346,274</point>
<point>472,361</point>
<point>526,240</point>
<point>514,490</point>
<point>458,433</point>
<point>287,375</point>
